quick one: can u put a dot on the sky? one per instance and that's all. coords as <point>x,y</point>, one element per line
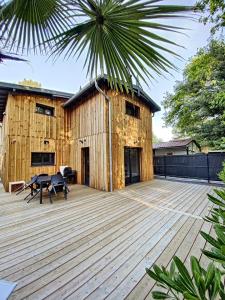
<point>69,76</point>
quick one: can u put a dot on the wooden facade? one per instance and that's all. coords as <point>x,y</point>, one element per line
<point>70,131</point>
<point>89,129</point>
<point>130,132</point>
<point>26,131</point>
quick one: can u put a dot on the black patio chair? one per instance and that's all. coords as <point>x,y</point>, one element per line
<point>69,174</point>
<point>44,185</point>
<point>44,174</point>
<point>38,186</point>
<point>33,188</point>
<point>57,185</point>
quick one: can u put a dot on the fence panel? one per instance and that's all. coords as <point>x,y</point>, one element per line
<point>215,164</point>
<point>198,166</point>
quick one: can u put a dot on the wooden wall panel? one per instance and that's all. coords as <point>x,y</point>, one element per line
<point>26,132</point>
<point>131,132</point>
<point>88,129</point>
<point>98,160</point>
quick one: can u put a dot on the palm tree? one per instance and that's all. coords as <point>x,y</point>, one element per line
<point>6,56</point>
<point>119,37</point>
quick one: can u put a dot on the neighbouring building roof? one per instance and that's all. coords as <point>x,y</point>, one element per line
<point>6,88</point>
<point>103,79</point>
<point>174,144</point>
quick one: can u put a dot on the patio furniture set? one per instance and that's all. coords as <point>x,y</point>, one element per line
<point>53,184</point>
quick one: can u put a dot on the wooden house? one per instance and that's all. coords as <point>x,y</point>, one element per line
<point>44,129</point>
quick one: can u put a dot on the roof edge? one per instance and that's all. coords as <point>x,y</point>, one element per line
<point>11,87</point>
<point>91,84</point>
<point>169,144</point>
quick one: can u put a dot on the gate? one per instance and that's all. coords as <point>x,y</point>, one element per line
<point>197,166</point>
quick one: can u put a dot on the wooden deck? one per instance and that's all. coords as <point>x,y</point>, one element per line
<point>96,245</point>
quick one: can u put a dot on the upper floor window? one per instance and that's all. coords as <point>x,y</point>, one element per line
<point>44,109</point>
<point>132,110</point>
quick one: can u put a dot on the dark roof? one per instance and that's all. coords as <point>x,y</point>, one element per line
<point>6,88</point>
<point>103,79</point>
<point>174,143</point>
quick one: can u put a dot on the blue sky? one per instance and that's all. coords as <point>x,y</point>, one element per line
<point>68,75</point>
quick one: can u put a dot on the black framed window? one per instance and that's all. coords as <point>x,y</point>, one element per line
<point>45,110</point>
<point>42,159</point>
<point>132,110</point>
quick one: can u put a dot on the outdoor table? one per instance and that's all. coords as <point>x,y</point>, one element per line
<point>43,181</point>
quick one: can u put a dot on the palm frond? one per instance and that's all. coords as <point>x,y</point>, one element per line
<point>26,24</point>
<point>121,38</point>
<point>6,56</point>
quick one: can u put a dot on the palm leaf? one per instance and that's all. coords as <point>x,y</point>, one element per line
<point>26,24</point>
<point>5,56</point>
<point>122,38</point>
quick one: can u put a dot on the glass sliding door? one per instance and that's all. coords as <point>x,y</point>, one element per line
<point>127,165</point>
<point>86,166</point>
<point>132,165</point>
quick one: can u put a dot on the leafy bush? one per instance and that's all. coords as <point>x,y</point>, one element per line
<point>199,284</point>
<point>222,173</point>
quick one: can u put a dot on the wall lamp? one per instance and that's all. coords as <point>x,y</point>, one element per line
<point>82,141</point>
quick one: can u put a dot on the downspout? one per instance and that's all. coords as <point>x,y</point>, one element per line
<point>110,134</point>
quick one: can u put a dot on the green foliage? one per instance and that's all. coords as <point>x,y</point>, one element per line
<point>222,173</point>
<point>179,283</point>
<point>156,139</point>
<point>199,284</point>
<point>24,24</point>
<point>214,11</point>
<point>197,106</point>
<point>120,36</point>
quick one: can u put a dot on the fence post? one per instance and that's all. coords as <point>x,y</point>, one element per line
<point>208,167</point>
<point>165,166</point>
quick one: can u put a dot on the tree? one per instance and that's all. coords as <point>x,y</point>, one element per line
<point>214,11</point>
<point>30,82</point>
<point>156,139</point>
<point>197,106</point>
<point>120,36</point>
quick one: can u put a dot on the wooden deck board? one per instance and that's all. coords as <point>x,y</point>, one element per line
<point>96,245</point>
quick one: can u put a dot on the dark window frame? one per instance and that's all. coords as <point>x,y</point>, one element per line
<point>169,153</point>
<point>42,162</point>
<point>132,110</point>
<point>45,108</point>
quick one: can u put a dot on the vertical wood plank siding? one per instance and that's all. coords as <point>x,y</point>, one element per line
<point>83,125</point>
<point>131,132</point>
<point>88,129</point>
<point>25,131</point>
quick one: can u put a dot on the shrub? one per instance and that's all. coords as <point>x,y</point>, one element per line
<point>199,283</point>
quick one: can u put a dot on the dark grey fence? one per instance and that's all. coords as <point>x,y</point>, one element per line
<point>198,166</point>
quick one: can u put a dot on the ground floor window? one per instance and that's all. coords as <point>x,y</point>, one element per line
<point>42,159</point>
